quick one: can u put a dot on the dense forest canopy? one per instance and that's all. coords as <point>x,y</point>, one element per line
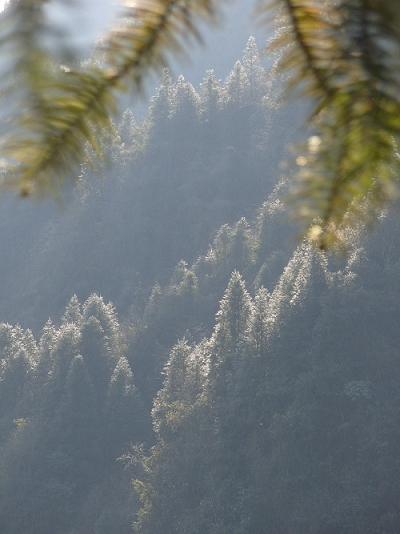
<point>202,158</point>
<point>246,385</point>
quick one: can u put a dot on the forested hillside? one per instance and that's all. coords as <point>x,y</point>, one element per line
<point>247,385</point>
<point>286,417</point>
<point>201,159</point>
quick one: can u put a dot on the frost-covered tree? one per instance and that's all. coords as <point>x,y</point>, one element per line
<point>123,411</point>
<point>255,73</point>
<point>210,95</point>
<point>237,86</point>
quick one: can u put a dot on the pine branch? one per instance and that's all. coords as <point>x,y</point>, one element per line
<point>345,56</point>
<point>72,107</point>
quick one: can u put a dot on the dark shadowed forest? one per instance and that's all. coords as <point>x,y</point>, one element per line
<point>173,361</point>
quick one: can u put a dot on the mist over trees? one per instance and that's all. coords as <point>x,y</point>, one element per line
<point>201,159</point>
<point>247,384</point>
<point>342,56</point>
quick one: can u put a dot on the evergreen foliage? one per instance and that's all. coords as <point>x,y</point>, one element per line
<point>296,430</point>
<point>70,409</point>
<point>270,375</point>
<point>154,212</point>
<point>342,55</point>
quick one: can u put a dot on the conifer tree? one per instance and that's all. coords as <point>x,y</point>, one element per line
<point>184,101</point>
<point>228,350</point>
<point>260,323</point>
<point>210,95</point>
<point>73,312</point>
<point>160,103</point>
<point>99,342</point>
<point>45,351</point>
<point>64,346</point>
<point>174,483</point>
<point>123,411</point>
<point>232,319</point>
<point>175,372</point>
<point>255,73</point>
<point>184,117</point>
<point>173,406</point>
<point>237,86</point>
<point>253,372</point>
<point>105,314</point>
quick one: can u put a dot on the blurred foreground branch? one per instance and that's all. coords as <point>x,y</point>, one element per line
<point>343,55</point>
